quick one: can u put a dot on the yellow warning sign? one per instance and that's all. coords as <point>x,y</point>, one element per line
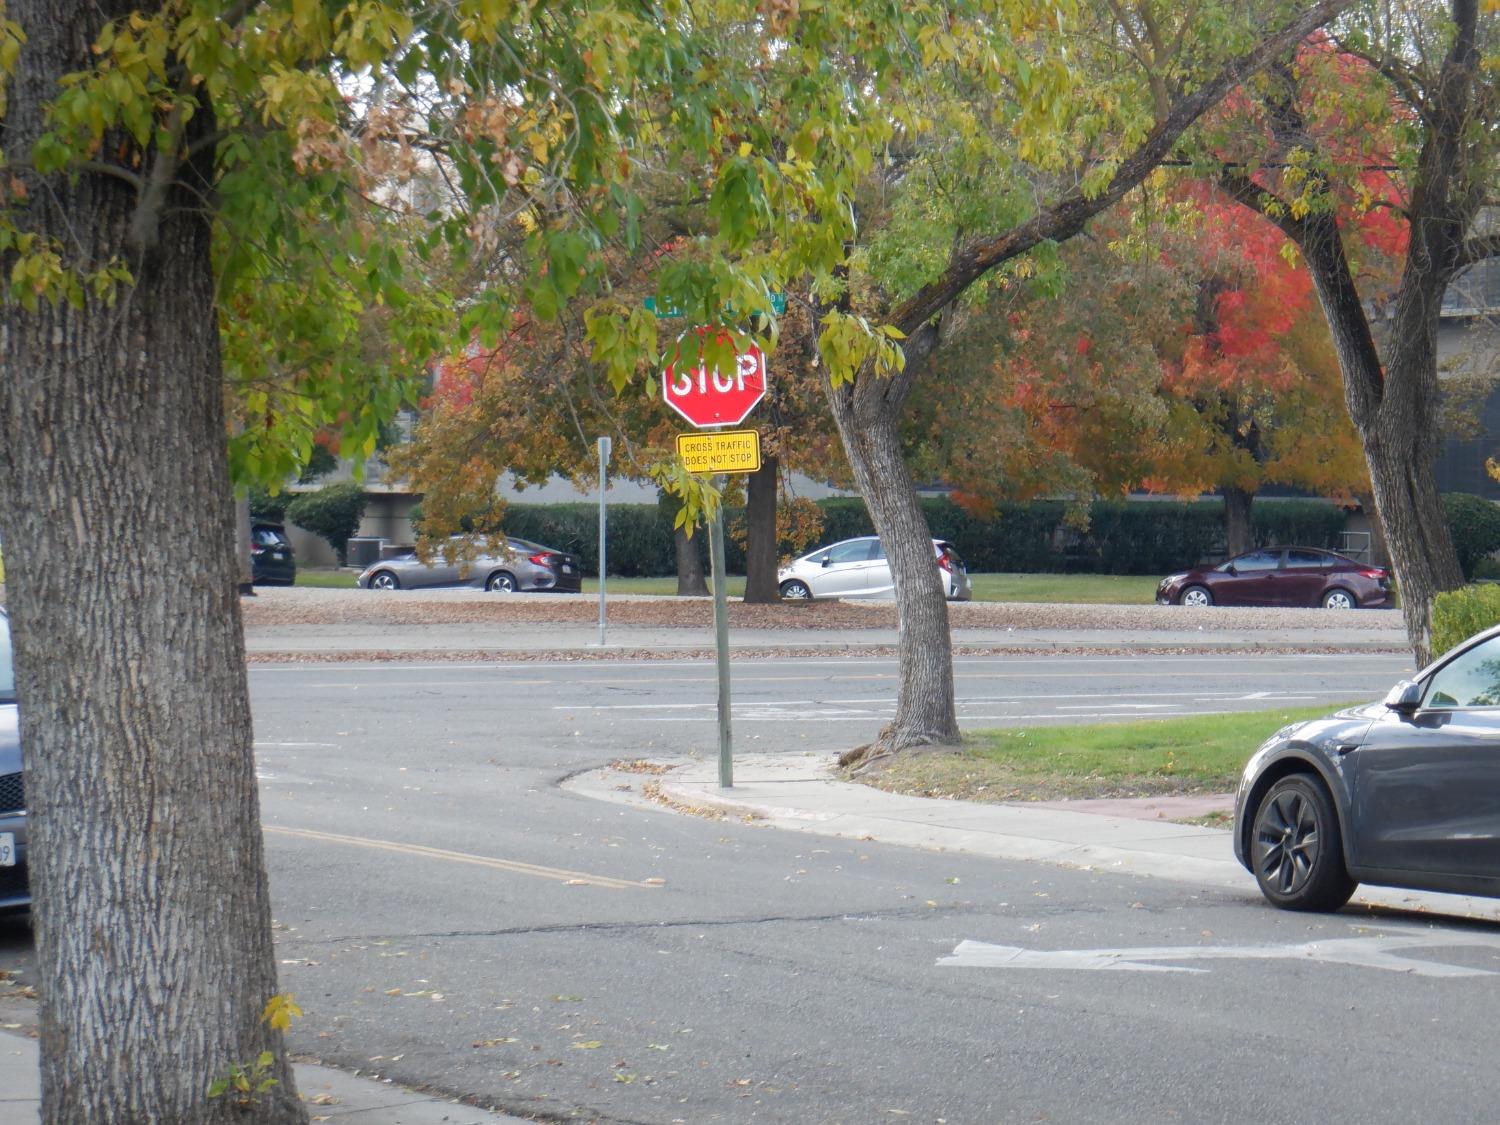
<point>721,451</point>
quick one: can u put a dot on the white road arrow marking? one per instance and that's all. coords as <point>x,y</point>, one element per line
<point>1361,952</point>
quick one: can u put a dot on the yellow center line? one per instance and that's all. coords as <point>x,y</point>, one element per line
<point>559,874</point>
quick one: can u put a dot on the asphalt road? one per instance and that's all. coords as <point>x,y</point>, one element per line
<point>448,916</point>
<point>833,702</point>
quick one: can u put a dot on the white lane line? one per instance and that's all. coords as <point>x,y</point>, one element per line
<point>1030,699</point>
<point>845,717</point>
<point>298,745</point>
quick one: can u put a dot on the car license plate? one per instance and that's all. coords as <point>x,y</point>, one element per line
<point>567,568</point>
<point>7,849</point>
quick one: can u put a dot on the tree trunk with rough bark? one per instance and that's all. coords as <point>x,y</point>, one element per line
<point>152,916</point>
<point>760,534</point>
<point>692,578</point>
<point>1238,536</point>
<point>867,413</point>
<point>243,565</point>
<point>1394,408</point>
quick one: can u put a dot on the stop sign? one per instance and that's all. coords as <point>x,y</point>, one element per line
<point>715,398</point>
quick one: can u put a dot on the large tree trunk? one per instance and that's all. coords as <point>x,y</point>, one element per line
<point>867,414</point>
<point>1401,450</point>
<point>242,522</point>
<point>760,534</point>
<point>1238,537</point>
<point>1394,409</point>
<point>152,917</point>
<point>692,580</point>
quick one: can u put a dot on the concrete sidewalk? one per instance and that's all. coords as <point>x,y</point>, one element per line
<point>1134,837</point>
<point>331,1095</point>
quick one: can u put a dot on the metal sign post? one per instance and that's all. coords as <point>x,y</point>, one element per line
<point>604,447</point>
<point>721,640</point>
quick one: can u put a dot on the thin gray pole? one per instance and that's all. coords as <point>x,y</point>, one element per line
<point>721,641</point>
<point>604,444</point>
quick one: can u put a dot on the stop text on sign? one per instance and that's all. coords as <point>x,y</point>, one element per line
<point>713,396</point>
<point>685,383</point>
<point>724,451</point>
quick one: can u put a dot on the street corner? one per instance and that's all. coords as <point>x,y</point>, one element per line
<point>762,784</point>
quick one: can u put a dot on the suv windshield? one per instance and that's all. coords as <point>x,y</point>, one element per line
<point>7,666</point>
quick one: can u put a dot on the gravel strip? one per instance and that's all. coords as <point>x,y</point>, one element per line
<point>313,606</point>
<point>786,652</point>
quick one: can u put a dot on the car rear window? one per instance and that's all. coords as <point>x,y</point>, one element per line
<point>1303,560</point>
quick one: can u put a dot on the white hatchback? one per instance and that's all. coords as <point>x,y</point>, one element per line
<point>857,568</point>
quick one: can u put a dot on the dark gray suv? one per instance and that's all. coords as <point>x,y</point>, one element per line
<point>14,894</point>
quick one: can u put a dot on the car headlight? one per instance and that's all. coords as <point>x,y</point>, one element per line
<point>1169,579</point>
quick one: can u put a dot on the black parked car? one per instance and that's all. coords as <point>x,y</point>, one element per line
<point>1402,793</point>
<point>14,894</point>
<point>272,562</point>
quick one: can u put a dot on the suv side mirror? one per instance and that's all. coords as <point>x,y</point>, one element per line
<point>1405,697</point>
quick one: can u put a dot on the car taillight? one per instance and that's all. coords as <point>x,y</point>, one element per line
<point>542,558</point>
<point>945,562</point>
<point>1372,573</point>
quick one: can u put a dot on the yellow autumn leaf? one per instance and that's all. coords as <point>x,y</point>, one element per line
<point>280,1010</point>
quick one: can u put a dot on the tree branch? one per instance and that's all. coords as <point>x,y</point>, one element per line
<point>145,222</point>
<point>1397,73</point>
<point>1264,202</point>
<point>1068,215</point>
<point>104,168</point>
<point>1476,250</point>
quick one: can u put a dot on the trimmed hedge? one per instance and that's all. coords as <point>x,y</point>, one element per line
<point>1475,525</point>
<point>1459,614</point>
<point>333,512</point>
<point>1301,523</point>
<point>640,535</point>
<point>1143,537</point>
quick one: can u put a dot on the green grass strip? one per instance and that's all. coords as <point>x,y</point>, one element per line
<point>1196,754</point>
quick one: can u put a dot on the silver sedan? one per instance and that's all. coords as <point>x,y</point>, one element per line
<point>522,565</point>
<point>857,568</point>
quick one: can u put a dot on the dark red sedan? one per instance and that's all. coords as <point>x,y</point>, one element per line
<point>1283,576</point>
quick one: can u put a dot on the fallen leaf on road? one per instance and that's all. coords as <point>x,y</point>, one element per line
<point>587,1045</point>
